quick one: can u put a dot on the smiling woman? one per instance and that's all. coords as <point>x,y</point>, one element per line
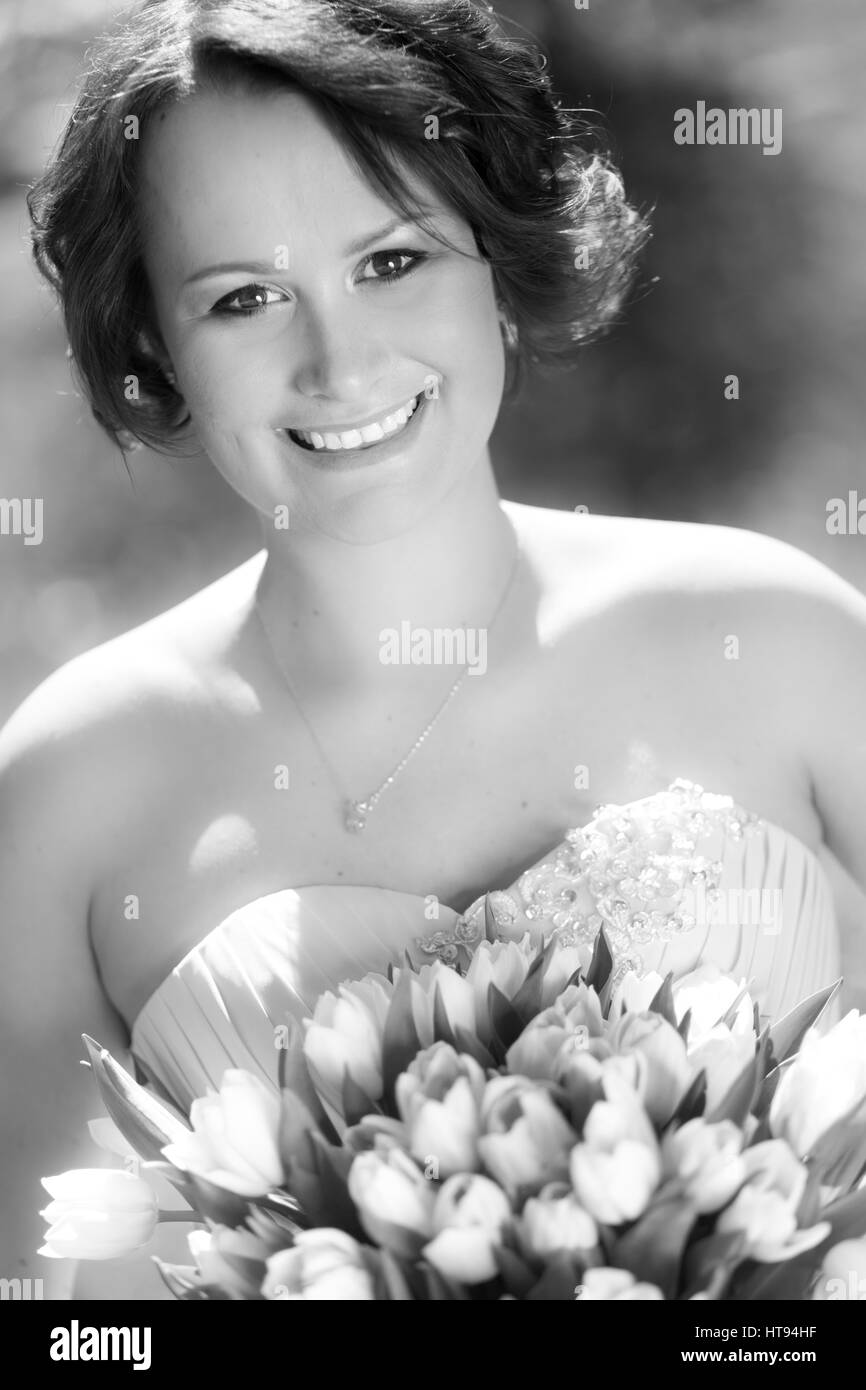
<point>321,241</point>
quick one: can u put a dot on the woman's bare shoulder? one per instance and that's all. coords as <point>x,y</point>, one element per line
<point>664,558</point>
<point>108,720</point>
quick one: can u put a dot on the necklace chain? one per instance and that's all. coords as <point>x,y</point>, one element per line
<point>355,812</point>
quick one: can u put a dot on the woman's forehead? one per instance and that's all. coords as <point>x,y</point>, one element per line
<point>216,165</point>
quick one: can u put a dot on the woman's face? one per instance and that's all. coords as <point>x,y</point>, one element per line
<point>249,202</point>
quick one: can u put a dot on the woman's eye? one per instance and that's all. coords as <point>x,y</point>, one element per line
<point>392,259</point>
<point>252,299</point>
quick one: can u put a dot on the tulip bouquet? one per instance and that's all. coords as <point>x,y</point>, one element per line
<point>527,1127</point>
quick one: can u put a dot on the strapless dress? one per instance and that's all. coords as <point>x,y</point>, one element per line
<point>678,879</point>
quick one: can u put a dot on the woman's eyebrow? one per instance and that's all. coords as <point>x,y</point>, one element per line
<point>267,267</point>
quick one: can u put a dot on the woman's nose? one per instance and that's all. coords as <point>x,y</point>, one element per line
<point>338,357</point>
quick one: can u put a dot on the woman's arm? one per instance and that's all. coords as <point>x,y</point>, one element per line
<point>50,993</point>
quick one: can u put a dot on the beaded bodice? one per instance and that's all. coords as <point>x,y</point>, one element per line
<point>644,871</point>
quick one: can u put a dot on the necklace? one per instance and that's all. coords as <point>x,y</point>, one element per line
<point>356,812</point>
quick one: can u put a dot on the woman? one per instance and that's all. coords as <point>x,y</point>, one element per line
<point>320,244</point>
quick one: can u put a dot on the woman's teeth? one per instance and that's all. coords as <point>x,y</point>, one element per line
<point>360,438</point>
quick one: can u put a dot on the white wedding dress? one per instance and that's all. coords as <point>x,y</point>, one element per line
<point>679,878</point>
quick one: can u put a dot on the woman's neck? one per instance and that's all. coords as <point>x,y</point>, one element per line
<point>325,603</point>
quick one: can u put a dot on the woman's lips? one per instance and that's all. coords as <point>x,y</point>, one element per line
<point>352,451</point>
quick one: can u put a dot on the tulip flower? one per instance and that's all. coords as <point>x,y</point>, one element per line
<point>765,1208</point>
<point>667,1074</point>
<point>562,964</point>
<point>469,1218</point>
<point>843,1273</point>
<point>438,1097</point>
<point>707,993</point>
<point>826,1080</point>
<point>322,1264</point>
<point>617,1168</point>
<point>345,1035</point>
<point>634,993</point>
<point>233,1140</point>
<point>537,1051</point>
<point>707,1160</point>
<point>614,1285</point>
<point>98,1214</point>
<point>722,1056</point>
<point>393,1198</point>
<point>554,1223</point>
<point>230,1260</point>
<point>526,1140</point>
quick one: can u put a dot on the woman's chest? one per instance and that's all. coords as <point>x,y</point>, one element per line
<point>241,805</point>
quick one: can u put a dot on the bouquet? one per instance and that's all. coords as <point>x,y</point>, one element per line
<point>524,1127</point>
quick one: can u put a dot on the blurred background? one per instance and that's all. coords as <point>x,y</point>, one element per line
<point>756,267</point>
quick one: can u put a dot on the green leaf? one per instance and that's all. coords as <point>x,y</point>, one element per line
<point>185,1282</point>
<point>653,1248</point>
<point>601,964</point>
<point>356,1102</point>
<point>438,1289</point>
<point>295,1077</point>
<point>838,1157</point>
<point>788,1033</point>
<point>506,1022</point>
<point>767,1089</point>
<point>558,1282</point>
<point>215,1203</point>
<point>142,1120</point>
<point>729,1016</point>
<point>736,1104</point>
<point>324,1194</point>
<point>581,1093</point>
<point>684,1025</point>
<point>400,1041</point>
<point>394,1279</point>
<point>516,1274</point>
<point>709,1263</point>
<point>295,1131</point>
<point>692,1103</point>
<point>526,1003</point>
<point>491,930</point>
<point>465,1041</point>
<point>662,1001</point>
<point>442,1030</point>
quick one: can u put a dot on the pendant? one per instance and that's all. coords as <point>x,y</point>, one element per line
<point>355,815</point>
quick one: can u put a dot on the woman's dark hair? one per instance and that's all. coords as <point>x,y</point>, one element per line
<point>543,200</point>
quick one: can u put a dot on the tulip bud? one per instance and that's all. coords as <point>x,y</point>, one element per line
<point>707,1160</point>
<point>554,1223</point>
<point>826,1080</point>
<point>614,1285</point>
<point>322,1264</point>
<point>617,1168</point>
<point>233,1140</point>
<point>394,1200</point>
<point>345,1034</point>
<point>469,1217</point>
<point>668,1073</point>
<point>527,1139</point>
<point>98,1214</point>
<point>764,1211</point>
